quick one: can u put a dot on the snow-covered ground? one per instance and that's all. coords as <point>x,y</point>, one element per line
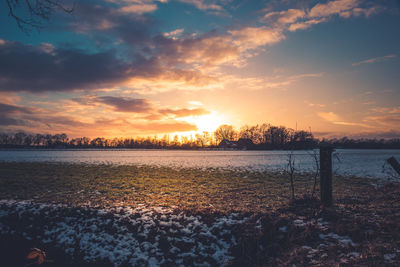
<point>353,162</point>
<point>154,236</point>
<point>124,235</point>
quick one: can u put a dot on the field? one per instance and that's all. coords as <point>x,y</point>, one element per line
<point>104,215</point>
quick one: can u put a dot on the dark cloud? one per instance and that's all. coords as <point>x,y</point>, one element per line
<point>46,68</point>
<point>6,121</point>
<point>6,108</point>
<point>12,115</point>
<point>9,114</point>
<point>122,104</point>
<point>52,120</point>
<point>143,106</point>
<point>96,21</point>
<point>29,68</point>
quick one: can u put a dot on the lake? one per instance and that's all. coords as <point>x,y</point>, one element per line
<point>355,162</point>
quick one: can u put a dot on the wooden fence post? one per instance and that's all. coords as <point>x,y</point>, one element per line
<point>325,154</point>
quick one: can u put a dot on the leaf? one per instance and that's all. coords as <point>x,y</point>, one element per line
<point>37,254</point>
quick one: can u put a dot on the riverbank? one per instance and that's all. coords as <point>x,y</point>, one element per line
<point>101,215</point>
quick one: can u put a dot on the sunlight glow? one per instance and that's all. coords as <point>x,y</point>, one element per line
<point>207,123</point>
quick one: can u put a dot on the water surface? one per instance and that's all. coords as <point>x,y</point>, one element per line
<point>356,162</point>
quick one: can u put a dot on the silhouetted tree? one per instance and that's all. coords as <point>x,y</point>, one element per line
<point>262,136</point>
<point>225,132</point>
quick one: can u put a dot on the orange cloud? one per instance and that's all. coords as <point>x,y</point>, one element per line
<point>333,7</point>
<point>299,19</point>
<point>255,37</point>
<point>329,116</point>
<point>305,24</point>
<point>286,16</point>
<point>202,5</point>
<point>180,113</point>
<point>138,8</point>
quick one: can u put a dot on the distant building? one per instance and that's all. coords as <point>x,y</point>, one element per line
<point>245,143</point>
<point>242,143</point>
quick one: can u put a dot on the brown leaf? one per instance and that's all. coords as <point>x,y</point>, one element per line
<point>37,254</point>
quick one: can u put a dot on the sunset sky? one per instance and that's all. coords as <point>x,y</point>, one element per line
<point>118,68</point>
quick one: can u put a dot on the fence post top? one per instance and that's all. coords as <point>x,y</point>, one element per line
<point>326,147</point>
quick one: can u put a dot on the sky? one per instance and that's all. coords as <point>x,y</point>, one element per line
<point>121,68</point>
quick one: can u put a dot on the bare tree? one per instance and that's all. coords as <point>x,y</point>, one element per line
<point>225,132</point>
<point>30,14</point>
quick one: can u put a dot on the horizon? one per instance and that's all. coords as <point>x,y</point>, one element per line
<point>148,68</point>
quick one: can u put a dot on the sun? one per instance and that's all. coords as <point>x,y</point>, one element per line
<point>206,123</point>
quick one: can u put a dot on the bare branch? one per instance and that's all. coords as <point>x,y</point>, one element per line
<point>38,11</point>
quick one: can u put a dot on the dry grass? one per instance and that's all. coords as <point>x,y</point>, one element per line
<point>217,189</point>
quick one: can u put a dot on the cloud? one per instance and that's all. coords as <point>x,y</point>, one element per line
<point>104,123</point>
<point>388,110</point>
<point>140,128</point>
<point>333,7</point>
<point>180,113</point>
<point>107,25</point>
<point>203,4</point>
<point>346,123</point>
<point>315,105</point>
<point>255,37</point>
<point>301,19</point>
<point>174,34</point>
<point>388,120</point>
<point>121,104</point>
<point>140,106</point>
<point>305,24</point>
<point>167,60</point>
<point>335,119</point>
<point>73,69</point>
<point>9,114</point>
<point>274,82</point>
<point>285,17</point>
<point>148,56</point>
<point>375,60</point>
<point>329,116</point>
<point>213,49</point>
<point>343,8</point>
<point>61,70</point>
<point>54,120</point>
<point>208,49</point>
<point>12,115</point>
<point>6,109</point>
<point>138,7</point>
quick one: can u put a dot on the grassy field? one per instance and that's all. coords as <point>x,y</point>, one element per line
<point>200,216</point>
<point>159,186</point>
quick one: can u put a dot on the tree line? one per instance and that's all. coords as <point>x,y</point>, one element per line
<point>258,137</point>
